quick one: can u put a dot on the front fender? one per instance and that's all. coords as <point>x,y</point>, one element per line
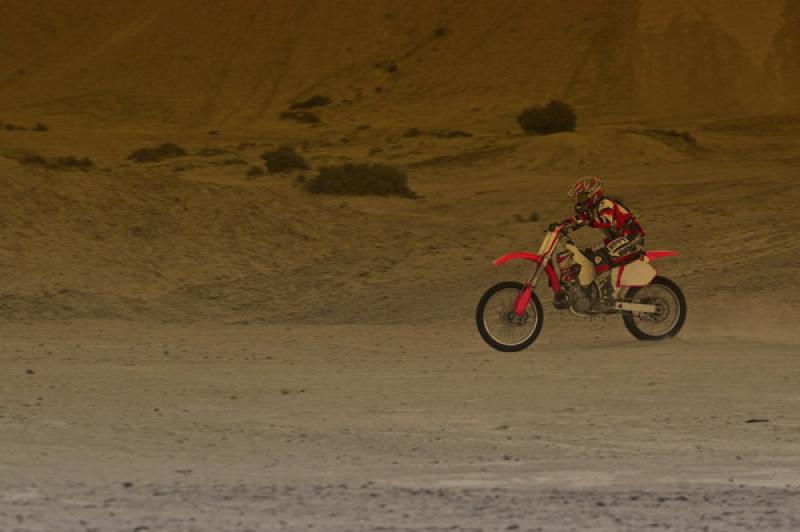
<point>553,279</point>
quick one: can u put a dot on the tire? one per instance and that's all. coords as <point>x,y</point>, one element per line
<point>489,303</point>
<point>634,323</point>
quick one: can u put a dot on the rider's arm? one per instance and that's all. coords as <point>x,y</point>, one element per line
<point>573,222</point>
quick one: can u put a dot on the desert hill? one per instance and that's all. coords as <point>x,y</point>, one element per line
<point>685,108</point>
<point>239,63</point>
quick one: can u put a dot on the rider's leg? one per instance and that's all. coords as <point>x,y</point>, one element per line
<point>617,252</point>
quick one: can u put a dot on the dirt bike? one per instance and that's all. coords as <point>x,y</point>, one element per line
<point>510,316</point>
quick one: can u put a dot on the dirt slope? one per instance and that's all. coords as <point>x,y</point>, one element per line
<point>240,62</point>
<point>193,238</point>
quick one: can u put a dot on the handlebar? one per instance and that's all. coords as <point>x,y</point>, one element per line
<point>564,227</point>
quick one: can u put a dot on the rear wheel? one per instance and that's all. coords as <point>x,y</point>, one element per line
<point>669,317</point>
<point>500,326</point>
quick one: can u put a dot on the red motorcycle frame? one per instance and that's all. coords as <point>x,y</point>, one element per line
<point>572,278</point>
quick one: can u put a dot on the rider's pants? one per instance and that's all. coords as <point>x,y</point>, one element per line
<point>618,251</point>
<point>625,248</point>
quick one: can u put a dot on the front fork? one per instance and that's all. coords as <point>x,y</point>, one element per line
<point>524,297</point>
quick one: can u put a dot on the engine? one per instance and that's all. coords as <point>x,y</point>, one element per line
<point>572,294</point>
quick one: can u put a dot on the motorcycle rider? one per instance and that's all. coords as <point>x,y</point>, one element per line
<point>624,236</point>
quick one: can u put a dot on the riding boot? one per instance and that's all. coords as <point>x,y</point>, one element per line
<point>607,290</point>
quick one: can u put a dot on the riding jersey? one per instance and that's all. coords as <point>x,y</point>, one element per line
<point>613,218</point>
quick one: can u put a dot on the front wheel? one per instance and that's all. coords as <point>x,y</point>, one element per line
<point>667,321</point>
<point>500,326</point>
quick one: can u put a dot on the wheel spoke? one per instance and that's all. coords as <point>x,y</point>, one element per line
<point>668,311</point>
<point>502,323</point>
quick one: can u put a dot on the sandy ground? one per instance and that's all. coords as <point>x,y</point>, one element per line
<point>123,426</point>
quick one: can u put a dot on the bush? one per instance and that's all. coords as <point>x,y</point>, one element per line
<point>167,150</point>
<point>41,128</point>
<point>283,159</point>
<point>58,163</point>
<point>685,136</point>
<point>255,171</point>
<point>211,152</point>
<point>315,101</point>
<point>552,118</point>
<point>360,180</point>
<point>304,117</point>
<point>451,134</point>
<point>532,217</point>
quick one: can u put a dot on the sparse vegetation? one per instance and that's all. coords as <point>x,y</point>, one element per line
<point>450,134</point>
<point>554,117</point>
<point>255,171</point>
<point>164,151</point>
<point>58,163</point>
<point>441,31</point>
<point>438,133</point>
<point>304,117</point>
<point>39,127</point>
<point>211,152</point>
<point>33,159</point>
<point>683,136</point>
<point>315,101</point>
<point>361,180</point>
<point>283,159</point>
<point>532,217</point>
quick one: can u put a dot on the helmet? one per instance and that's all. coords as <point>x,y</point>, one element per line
<point>587,191</point>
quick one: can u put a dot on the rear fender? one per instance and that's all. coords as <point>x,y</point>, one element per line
<point>552,278</point>
<point>655,255</point>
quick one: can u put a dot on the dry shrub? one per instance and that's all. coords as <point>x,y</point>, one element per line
<point>554,117</point>
<point>211,152</point>
<point>284,159</point>
<point>683,136</point>
<point>304,117</point>
<point>167,150</point>
<point>532,217</point>
<point>450,134</point>
<point>255,171</point>
<point>315,101</point>
<point>58,163</point>
<point>361,179</point>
